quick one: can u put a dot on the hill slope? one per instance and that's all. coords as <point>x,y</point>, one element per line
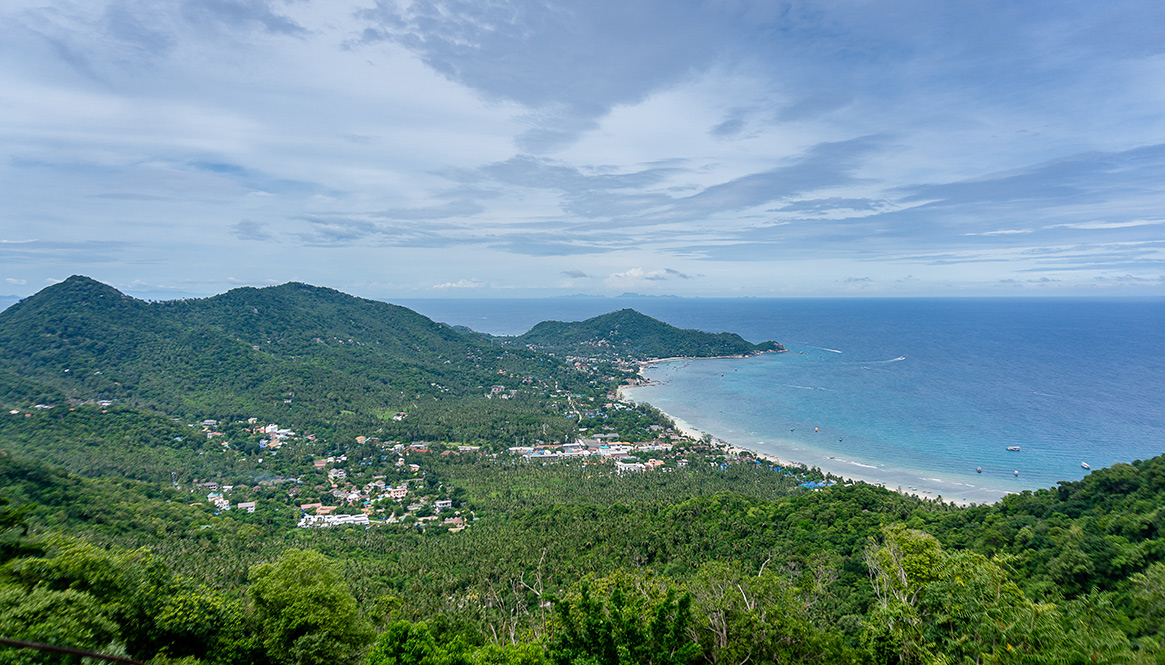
<point>628,333</point>
<point>292,352</point>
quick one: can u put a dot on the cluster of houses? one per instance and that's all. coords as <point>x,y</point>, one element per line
<point>310,521</point>
<point>221,503</point>
<point>601,447</point>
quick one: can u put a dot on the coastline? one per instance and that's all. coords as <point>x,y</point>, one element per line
<point>790,453</point>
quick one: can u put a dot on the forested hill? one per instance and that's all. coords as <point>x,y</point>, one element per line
<point>631,334</point>
<point>294,352</point>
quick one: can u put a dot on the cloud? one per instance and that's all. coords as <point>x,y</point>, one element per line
<point>241,14</point>
<point>1095,226</point>
<point>573,61</point>
<point>13,280</point>
<point>1001,232</point>
<point>814,105</point>
<point>782,143</point>
<point>250,230</point>
<point>1152,279</point>
<point>574,274</point>
<point>858,280</point>
<point>461,284</point>
<point>456,209</point>
<point>634,275</point>
<point>731,126</point>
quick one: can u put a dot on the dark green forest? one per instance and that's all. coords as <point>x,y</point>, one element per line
<point>110,542</point>
<point>627,333</point>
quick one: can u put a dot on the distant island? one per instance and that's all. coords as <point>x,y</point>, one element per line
<point>631,335</point>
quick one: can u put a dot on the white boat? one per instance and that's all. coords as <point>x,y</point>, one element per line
<point>1014,449</point>
<point>1084,465</point>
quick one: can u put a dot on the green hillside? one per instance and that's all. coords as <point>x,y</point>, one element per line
<point>291,353</point>
<point>627,333</point>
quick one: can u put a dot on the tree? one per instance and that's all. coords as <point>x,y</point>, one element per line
<point>746,618</point>
<point>935,606</point>
<point>630,625</point>
<point>303,611</point>
<point>61,618</point>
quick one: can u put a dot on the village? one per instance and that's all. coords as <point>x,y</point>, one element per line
<point>382,483</point>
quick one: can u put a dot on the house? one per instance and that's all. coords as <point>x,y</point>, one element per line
<point>310,521</point>
<point>399,492</point>
<point>320,463</point>
<point>629,467</point>
<point>443,504</point>
<point>248,506</point>
<point>311,506</point>
<point>337,474</point>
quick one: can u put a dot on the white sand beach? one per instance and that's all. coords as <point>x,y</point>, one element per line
<point>790,453</point>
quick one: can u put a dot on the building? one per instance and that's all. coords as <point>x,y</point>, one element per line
<point>310,521</point>
<point>629,467</point>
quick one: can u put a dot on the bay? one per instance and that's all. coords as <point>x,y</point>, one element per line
<point>910,393</point>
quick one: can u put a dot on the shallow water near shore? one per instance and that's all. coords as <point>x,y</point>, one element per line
<point>915,393</point>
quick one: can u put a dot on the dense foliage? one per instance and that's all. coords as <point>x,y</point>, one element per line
<point>627,333</point>
<point>570,563</point>
<point>292,353</point>
<point>111,540</point>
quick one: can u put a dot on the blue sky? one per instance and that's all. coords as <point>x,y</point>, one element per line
<point>495,148</point>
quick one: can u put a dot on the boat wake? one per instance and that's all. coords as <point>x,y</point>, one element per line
<point>822,348</point>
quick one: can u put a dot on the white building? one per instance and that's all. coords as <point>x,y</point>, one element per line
<point>316,521</point>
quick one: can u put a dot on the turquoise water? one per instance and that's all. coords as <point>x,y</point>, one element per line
<point>912,393</point>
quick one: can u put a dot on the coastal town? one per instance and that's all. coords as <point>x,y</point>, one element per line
<point>385,483</point>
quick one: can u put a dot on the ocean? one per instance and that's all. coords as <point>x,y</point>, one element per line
<point>911,393</point>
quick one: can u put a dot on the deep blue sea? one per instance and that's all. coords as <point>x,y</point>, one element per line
<point>911,393</point>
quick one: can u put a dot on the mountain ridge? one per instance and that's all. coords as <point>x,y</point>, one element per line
<point>627,331</point>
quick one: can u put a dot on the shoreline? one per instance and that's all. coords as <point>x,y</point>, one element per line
<point>791,453</point>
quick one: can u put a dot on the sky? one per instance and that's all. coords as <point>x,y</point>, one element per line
<point>497,148</point>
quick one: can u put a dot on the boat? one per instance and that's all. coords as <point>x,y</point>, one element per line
<point>978,469</point>
<point>1084,465</point>
<point>1014,449</point>
<point>1017,473</point>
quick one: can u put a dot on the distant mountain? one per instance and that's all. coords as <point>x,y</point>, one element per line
<point>627,333</point>
<point>297,350</point>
